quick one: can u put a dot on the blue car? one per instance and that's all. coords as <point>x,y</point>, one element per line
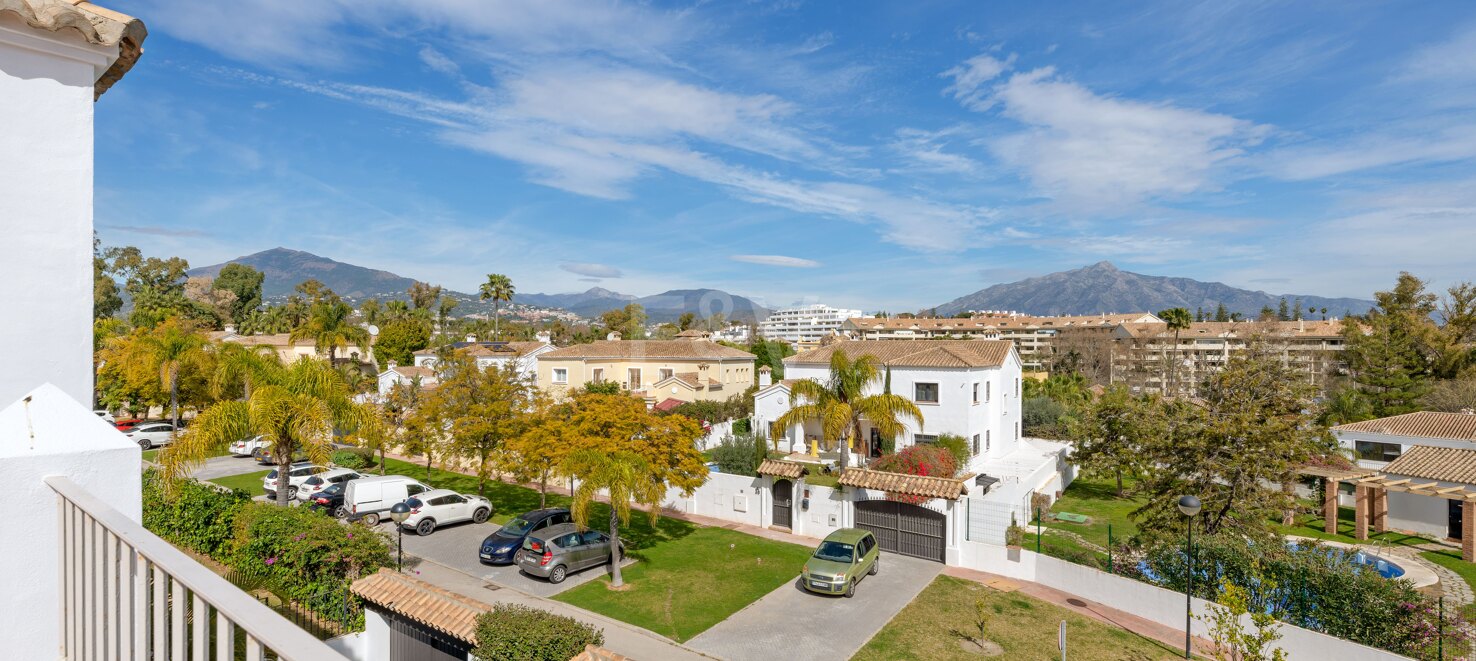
<point>500,546</point>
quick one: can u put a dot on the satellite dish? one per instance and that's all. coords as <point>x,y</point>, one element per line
<point>373,330</point>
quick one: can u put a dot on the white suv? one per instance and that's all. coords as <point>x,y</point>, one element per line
<point>439,507</point>
<point>152,434</point>
<point>246,446</point>
<point>296,475</point>
<point>310,487</point>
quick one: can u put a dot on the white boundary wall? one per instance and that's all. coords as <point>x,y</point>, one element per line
<point>738,498</point>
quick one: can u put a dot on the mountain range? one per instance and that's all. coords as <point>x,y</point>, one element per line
<point>284,268</point>
<point>1102,287</point>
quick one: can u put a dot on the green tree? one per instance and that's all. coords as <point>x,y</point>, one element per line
<point>841,402</point>
<point>1178,321</point>
<point>245,283</point>
<point>170,349</point>
<point>1383,347</point>
<point>106,301</point>
<point>629,321</point>
<point>1108,438</point>
<point>238,366</point>
<point>294,413</point>
<point>628,479</point>
<point>399,340</point>
<point>499,289</point>
<point>370,310</point>
<point>330,327</point>
<point>1281,311</point>
<point>538,451</point>
<point>481,409</point>
<point>443,313</point>
<point>155,285</point>
<point>1221,314</point>
<point>423,296</point>
<point>686,321</point>
<point>771,354</point>
<point>1343,406</point>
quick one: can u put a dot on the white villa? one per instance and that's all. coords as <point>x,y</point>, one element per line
<point>523,356</point>
<point>1420,448</point>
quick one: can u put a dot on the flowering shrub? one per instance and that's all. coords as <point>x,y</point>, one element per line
<point>926,460</point>
<point>513,632</point>
<point>196,516</point>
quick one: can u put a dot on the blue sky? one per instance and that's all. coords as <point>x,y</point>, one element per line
<point>873,155</point>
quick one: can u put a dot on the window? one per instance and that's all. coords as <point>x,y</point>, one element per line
<point>1017,386</point>
<point>599,375</point>
<point>925,393</point>
<point>1377,451</point>
<point>568,541</point>
<point>988,388</point>
<point>1017,431</point>
<point>663,374</point>
<point>976,444</point>
<point>987,433</point>
<point>561,375</point>
<point>924,438</point>
<point>452,500</point>
<point>412,489</point>
<point>976,393</point>
<point>635,378</point>
<point>594,537</point>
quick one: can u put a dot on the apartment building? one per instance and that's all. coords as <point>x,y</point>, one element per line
<point>1033,336</point>
<point>805,325</point>
<point>1143,353</point>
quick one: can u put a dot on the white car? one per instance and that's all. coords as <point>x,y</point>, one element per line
<point>311,486</point>
<point>439,507</point>
<point>296,475</point>
<point>246,446</point>
<point>104,415</point>
<point>151,435</point>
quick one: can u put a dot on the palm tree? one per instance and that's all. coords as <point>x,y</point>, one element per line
<point>1178,319</point>
<point>239,363</point>
<point>842,402</point>
<point>295,412</point>
<point>498,288</point>
<point>628,479</point>
<point>328,326</point>
<point>170,348</point>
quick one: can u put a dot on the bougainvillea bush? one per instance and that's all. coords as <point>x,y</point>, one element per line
<point>926,460</point>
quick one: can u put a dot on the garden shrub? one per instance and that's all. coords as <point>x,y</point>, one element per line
<point>736,456</point>
<point>312,557</point>
<point>958,446</point>
<point>353,458</point>
<point>514,632</point>
<point>196,516</point>
<point>927,459</point>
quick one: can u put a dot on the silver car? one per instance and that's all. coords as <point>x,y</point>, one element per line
<point>554,552</point>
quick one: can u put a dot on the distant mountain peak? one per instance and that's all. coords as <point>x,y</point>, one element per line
<point>1103,265</point>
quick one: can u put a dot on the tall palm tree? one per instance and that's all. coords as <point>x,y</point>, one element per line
<point>499,289</point>
<point>328,325</point>
<point>243,364</point>
<point>841,402</point>
<point>628,479</point>
<point>1178,319</point>
<point>170,348</point>
<point>295,412</point>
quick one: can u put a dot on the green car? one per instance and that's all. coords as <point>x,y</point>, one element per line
<point>842,560</point>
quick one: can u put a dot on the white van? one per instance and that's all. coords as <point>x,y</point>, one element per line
<point>369,498</point>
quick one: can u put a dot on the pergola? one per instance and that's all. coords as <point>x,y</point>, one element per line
<point>1371,501</point>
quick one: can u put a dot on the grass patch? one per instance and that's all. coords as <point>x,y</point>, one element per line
<point>1025,627</point>
<point>151,455</point>
<point>248,482</point>
<point>1312,526</point>
<point>1097,498</point>
<point>682,587</point>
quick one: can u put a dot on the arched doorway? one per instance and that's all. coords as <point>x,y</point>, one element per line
<point>783,503</point>
<point>903,528</point>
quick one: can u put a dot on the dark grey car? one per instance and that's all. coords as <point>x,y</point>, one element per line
<point>554,552</point>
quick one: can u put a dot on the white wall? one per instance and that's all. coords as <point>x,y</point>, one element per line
<point>1422,514</point>
<point>736,498</point>
<point>826,514</point>
<point>46,110</point>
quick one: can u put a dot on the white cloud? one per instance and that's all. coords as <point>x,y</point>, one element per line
<point>924,151</point>
<point>1084,148</point>
<point>1387,147</point>
<point>1449,61</point>
<point>776,260</point>
<point>437,62</point>
<point>591,270</point>
<point>970,77</point>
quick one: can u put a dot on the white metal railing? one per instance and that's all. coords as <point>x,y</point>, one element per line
<point>128,594</point>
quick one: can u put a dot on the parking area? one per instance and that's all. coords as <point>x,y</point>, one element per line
<point>456,546</point>
<point>218,467</point>
<point>810,626</point>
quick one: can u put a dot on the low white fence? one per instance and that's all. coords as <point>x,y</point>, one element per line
<point>738,498</point>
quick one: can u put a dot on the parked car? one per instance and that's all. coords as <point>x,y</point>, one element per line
<point>368,499</point>
<point>247,447</point>
<point>152,434</point>
<point>330,501</point>
<point>126,424</point>
<point>842,560</point>
<point>439,507</point>
<point>558,550</point>
<point>104,415</point>
<point>296,475</point>
<point>500,547</point>
<point>316,483</point>
<point>263,455</point>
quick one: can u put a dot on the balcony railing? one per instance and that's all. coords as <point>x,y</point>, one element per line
<point>128,594</point>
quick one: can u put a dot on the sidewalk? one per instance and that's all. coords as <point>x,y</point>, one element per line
<point>1169,636</point>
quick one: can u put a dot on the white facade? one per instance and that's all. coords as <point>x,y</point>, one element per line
<point>804,324</point>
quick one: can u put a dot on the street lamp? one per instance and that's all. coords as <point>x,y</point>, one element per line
<point>399,512</point>
<point>1189,506</point>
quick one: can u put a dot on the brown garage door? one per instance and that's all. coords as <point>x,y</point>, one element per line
<point>903,528</point>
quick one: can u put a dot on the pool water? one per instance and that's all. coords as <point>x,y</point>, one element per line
<point>1384,567</point>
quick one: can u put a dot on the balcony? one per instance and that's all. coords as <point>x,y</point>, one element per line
<point>125,593</point>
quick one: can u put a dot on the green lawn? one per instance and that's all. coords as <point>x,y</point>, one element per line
<point>1025,627</point>
<point>682,586</point>
<point>688,577</point>
<point>1097,499</point>
<point>248,482</point>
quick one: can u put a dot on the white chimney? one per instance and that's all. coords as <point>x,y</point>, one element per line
<point>230,329</point>
<point>614,336</point>
<point>544,337</point>
<point>393,364</point>
<point>471,339</point>
<point>766,377</point>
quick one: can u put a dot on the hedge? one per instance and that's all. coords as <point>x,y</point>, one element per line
<point>513,632</point>
<point>198,516</point>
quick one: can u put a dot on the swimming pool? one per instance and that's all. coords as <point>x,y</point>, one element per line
<point>1385,567</point>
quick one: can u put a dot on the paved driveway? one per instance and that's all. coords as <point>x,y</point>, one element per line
<point>797,625</point>
<point>227,466</point>
<point>456,546</point>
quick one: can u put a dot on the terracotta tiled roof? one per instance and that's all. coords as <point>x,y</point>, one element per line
<point>692,332</point>
<point>668,404</point>
<point>273,340</point>
<point>1436,463</point>
<point>434,607</point>
<point>778,468</point>
<point>96,24</point>
<point>592,653</point>
<point>1427,424</point>
<point>692,379</point>
<point>1307,328</point>
<point>486,348</point>
<point>412,371</point>
<point>995,322</point>
<point>639,349</point>
<point>914,353</point>
<point>910,485</point>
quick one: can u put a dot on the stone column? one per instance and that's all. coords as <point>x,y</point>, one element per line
<point>1360,512</point>
<point>1330,506</point>
<point>1468,531</point>
<point>1380,509</point>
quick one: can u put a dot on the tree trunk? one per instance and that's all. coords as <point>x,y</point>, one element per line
<point>1119,483</point>
<point>332,355</point>
<point>174,403</point>
<point>496,320</point>
<point>863,443</point>
<point>428,460</point>
<point>543,490</point>
<point>381,459</point>
<point>284,462</point>
<point>481,476</point>
<point>615,578</point>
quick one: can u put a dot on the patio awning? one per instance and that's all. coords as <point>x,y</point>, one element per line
<point>779,468</point>
<point>437,608</point>
<point>1340,474</point>
<point>950,488</point>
